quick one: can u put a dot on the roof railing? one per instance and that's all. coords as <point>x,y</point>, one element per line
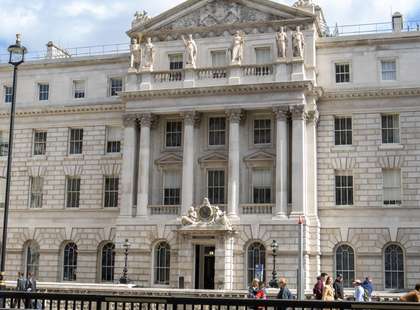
<point>347,30</point>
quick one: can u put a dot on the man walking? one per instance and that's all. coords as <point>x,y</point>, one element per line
<point>284,292</point>
<point>368,287</point>
<point>319,286</point>
<point>358,291</point>
<point>338,288</point>
<point>31,288</point>
<point>20,287</point>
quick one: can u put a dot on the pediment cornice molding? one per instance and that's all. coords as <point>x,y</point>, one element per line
<point>31,111</point>
<point>306,86</point>
<point>370,93</point>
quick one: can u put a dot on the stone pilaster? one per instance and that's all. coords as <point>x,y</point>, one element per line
<point>282,115</point>
<point>299,186</point>
<point>128,165</point>
<point>145,121</point>
<point>234,164</point>
<point>187,200</point>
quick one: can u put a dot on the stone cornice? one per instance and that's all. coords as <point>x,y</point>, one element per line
<point>60,110</point>
<point>306,86</point>
<point>370,93</point>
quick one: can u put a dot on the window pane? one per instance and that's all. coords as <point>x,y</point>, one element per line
<point>343,130</point>
<point>217,131</point>
<point>173,134</point>
<point>76,141</point>
<point>115,86</point>
<point>256,262</point>
<point>70,262</point>
<point>8,94</point>
<point>263,55</point>
<point>73,192</point>
<point>389,70</point>
<point>79,89</point>
<point>36,192</point>
<point>43,91</point>
<point>32,258</point>
<point>108,262</point>
<point>216,186</point>
<point>344,190</point>
<point>390,129</point>
<point>172,187</point>
<point>342,73</point>
<point>111,192</point>
<point>394,267</point>
<point>219,58</point>
<point>162,263</point>
<point>262,131</point>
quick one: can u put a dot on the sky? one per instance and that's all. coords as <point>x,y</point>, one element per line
<point>73,23</point>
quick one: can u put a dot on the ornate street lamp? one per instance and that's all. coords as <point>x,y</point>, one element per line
<point>124,278</point>
<point>274,281</point>
<point>17,56</point>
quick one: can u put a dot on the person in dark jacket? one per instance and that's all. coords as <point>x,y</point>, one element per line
<point>20,287</point>
<point>368,287</point>
<point>338,288</point>
<point>319,286</point>
<point>284,292</point>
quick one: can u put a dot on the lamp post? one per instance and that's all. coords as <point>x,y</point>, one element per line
<point>17,57</point>
<point>301,270</point>
<point>274,281</point>
<point>124,278</point>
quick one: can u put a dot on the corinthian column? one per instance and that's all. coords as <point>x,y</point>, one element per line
<point>282,135</point>
<point>128,165</point>
<point>144,162</point>
<point>234,164</point>
<point>190,119</point>
<point>299,185</point>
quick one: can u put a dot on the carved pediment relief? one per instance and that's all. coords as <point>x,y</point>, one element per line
<point>259,158</point>
<point>169,159</point>
<point>213,158</point>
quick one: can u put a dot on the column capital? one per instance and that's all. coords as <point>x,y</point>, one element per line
<point>129,120</point>
<point>313,117</point>
<point>191,118</point>
<point>235,115</point>
<point>146,119</point>
<point>298,112</point>
<point>282,113</point>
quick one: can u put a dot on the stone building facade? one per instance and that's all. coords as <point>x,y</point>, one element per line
<point>261,111</point>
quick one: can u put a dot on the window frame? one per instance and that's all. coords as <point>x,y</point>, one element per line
<point>344,271</point>
<point>404,267</point>
<point>215,146</point>
<point>271,188</point>
<point>117,144</point>
<point>224,185</point>
<point>78,94</point>
<point>164,172</point>
<point>111,192</point>
<point>396,202</point>
<point>4,144</point>
<point>262,254</point>
<point>29,267</point>
<point>220,51</point>
<point>72,268</point>
<point>398,136</point>
<point>164,268</point>
<point>110,265</point>
<point>181,133</point>
<point>73,192</point>
<point>33,194</point>
<point>347,174</point>
<point>110,87</point>
<point>262,118</point>
<point>35,142</point>
<point>70,153</point>
<point>2,201</point>
<point>350,73</point>
<point>344,131</point>
<point>41,93</point>
<point>380,63</point>
<point>6,95</point>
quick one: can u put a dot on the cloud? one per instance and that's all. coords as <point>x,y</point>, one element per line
<point>72,23</point>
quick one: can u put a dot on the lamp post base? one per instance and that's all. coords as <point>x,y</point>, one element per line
<point>274,282</point>
<point>123,280</point>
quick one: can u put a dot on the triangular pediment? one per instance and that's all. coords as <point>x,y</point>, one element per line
<point>213,158</point>
<point>259,156</point>
<point>207,13</point>
<point>169,159</point>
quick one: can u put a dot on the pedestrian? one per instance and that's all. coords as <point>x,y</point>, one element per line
<point>328,290</point>
<point>254,288</point>
<point>284,292</point>
<point>368,287</point>
<point>413,296</point>
<point>338,287</point>
<point>358,291</point>
<point>319,286</point>
<point>20,287</point>
<point>31,288</point>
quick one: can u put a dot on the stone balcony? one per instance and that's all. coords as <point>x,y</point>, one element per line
<point>281,71</point>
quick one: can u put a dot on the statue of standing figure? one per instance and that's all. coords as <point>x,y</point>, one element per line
<point>135,55</point>
<point>149,55</point>
<point>298,43</point>
<point>190,51</point>
<point>281,39</point>
<point>237,48</point>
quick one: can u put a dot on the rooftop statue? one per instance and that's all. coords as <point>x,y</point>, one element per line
<point>281,39</point>
<point>141,17</point>
<point>298,43</point>
<point>149,54</point>
<point>135,55</point>
<point>237,48</point>
<point>190,51</point>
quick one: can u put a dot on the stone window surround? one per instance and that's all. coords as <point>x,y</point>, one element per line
<point>34,131</point>
<point>115,176</point>
<point>355,257</point>
<point>109,83</point>
<point>397,66</point>
<point>99,260</point>
<point>260,116</point>
<point>259,164</point>
<point>339,146</point>
<point>37,84</point>
<point>348,172</point>
<point>221,164</point>
<point>245,266</point>
<point>162,127</point>
<point>163,170</point>
<point>261,46</point>
<point>73,88</point>
<point>226,185</point>
<point>335,62</point>
<point>212,50</point>
<point>3,91</point>
<point>206,127</point>
<point>152,265</point>
<point>399,129</point>
<point>401,187</point>
<point>404,258</point>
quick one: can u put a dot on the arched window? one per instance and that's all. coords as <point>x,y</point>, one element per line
<point>70,262</point>
<point>344,263</point>
<point>162,263</point>
<point>256,262</point>
<point>394,267</point>
<point>108,262</point>
<point>32,258</point>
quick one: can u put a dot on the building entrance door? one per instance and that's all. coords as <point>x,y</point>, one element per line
<point>204,267</point>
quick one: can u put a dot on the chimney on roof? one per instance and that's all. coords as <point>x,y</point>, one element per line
<point>397,22</point>
<point>54,51</point>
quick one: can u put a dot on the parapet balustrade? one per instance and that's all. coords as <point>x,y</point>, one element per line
<point>164,210</point>
<point>257,208</point>
<point>281,71</point>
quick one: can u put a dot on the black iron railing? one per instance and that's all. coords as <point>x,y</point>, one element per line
<point>54,301</point>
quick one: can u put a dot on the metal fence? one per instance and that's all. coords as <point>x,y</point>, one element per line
<point>346,30</point>
<point>53,301</point>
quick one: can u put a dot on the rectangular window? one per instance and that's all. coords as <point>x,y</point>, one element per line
<point>73,192</point>
<point>343,190</point>
<point>392,186</point>
<point>173,133</point>
<point>216,186</point>
<point>263,57</point>
<point>40,142</point>
<point>176,62</point>
<point>111,192</point>
<point>219,59</point>
<point>43,91</point>
<point>172,188</point>
<point>114,137</point>
<point>115,86</point>
<point>2,191</point>
<point>262,131</point>
<point>36,192</point>
<point>79,89</point>
<point>342,73</point>
<point>390,128</point>
<point>76,141</point>
<point>343,131</point>
<point>389,70</point>
<point>4,143</point>
<point>217,131</point>
<point>262,180</point>
<point>8,94</point>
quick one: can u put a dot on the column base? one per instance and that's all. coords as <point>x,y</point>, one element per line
<point>280,216</point>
